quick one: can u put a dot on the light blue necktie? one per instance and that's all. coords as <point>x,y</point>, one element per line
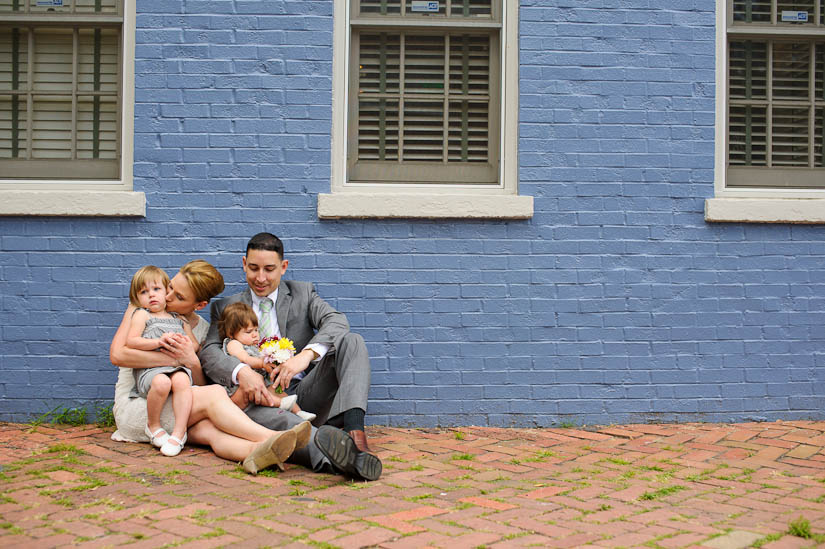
<point>265,324</point>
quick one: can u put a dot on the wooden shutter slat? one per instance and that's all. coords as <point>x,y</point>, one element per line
<point>789,137</point>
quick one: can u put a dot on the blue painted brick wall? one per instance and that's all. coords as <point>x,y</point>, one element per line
<point>617,302</point>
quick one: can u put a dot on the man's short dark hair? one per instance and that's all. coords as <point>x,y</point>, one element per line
<point>267,242</point>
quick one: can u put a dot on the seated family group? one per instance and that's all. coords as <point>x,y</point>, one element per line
<point>257,407</point>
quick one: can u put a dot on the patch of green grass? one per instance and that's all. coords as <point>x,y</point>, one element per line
<point>272,472</point>
<point>418,497</point>
<point>566,425</point>
<point>70,416</point>
<point>459,435</point>
<point>320,544</point>
<point>800,528</point>
<point>605,507</point>
<point>41,419</point>
<point>65,502</point>
<point>541,455</point>
<point>468,457</point>
<point>216,533</point>
<point>93,483</point>
<point>652,468</point>
<point>767,539</point>
<point>661,492</point>
<point>104,414</point>
<point>297,492</point>
<point>617,461</point>
<point>416,467</point>
<point>10,528</point>
<point>108,502</point>
<point>63,448</point>
<point>237,472</point>
<point>396,458</point>
<point>111,471</point>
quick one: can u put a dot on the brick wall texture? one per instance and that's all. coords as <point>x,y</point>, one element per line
<point>615,303</point>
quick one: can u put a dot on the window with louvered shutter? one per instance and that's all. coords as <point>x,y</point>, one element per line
<point>425,100</point>
<point>60,89</point>
<point>776,94</point>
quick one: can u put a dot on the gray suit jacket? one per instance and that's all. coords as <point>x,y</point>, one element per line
<point>302,315</point>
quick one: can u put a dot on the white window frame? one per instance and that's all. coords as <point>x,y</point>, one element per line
<point>391,200</point>
<point>43,197</point>
<point>754,205</point>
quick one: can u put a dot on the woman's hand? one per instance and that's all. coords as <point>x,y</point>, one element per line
<point>122,355</point>
<point>179,347</point>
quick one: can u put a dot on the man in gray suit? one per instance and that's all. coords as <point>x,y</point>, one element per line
<point>330,373</point>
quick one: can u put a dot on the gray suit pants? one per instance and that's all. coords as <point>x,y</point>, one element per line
<point>338,382</point>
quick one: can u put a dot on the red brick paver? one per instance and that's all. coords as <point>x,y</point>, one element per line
<point>689,485</point>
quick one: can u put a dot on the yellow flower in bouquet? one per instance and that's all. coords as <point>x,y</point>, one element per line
<point>277,350</point>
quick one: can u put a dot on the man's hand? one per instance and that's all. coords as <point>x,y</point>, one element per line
<point>252,387</point>
<point>283,373</point>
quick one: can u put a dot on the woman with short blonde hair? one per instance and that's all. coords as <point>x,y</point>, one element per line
<point>214,420</point>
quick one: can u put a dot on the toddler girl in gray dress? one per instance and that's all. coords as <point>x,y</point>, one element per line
<point>238,327</point>
<point>149,324</point>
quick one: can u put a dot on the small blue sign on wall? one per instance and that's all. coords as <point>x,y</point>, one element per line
<point>794,16</point>
<point>425,6</point>
<point>49,3</point>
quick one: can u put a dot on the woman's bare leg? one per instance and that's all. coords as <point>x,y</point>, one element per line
<point>224,445</point>
<point>211,401</point>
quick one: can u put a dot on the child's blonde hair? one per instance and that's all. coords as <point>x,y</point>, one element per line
<point>236,317</point>
<point>204,279</point>
<point>145,275</point>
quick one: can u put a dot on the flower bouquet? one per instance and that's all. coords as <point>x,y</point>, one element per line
<point>276,351</point>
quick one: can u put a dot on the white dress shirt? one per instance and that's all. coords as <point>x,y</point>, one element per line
<point>319,348</point>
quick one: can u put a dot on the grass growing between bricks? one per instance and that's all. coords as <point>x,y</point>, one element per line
<point>530,487</point>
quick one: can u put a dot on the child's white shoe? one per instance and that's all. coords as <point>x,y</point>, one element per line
<point>173,446</point>
<point>288,402</point>
<point>306,416</point>
<point>158,438</point>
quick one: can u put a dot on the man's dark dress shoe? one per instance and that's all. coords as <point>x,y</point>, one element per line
<point>340,449</point>
<point>360,438</point>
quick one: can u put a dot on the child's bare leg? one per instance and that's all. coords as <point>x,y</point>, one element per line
<point>295,409</point>
<point>277,396</point>
<point>155,399</point>
<point>239,399</point>
<point>181,402</point>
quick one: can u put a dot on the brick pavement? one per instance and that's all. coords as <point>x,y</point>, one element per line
<point>691,485</point>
